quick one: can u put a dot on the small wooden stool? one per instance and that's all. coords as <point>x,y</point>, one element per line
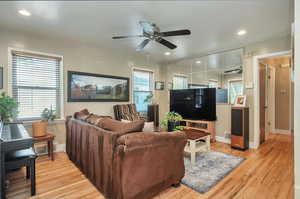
<point>49,139</point>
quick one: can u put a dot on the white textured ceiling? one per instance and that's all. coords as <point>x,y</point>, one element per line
<point>213,23</point>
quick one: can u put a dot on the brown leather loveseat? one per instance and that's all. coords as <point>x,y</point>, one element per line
<point>123,165</point>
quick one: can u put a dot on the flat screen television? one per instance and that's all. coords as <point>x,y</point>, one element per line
<point>194,104</point>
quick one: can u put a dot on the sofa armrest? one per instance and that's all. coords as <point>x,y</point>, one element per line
<point>142,139</point>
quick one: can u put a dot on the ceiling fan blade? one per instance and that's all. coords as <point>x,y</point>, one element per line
<point>166,43</point>
<point>129,36</point>
<point>142,45</point>
<point>147,27</point>
<point>175,33</point>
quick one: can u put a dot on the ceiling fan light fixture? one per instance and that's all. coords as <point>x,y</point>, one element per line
<point>167,53</point>
<point>151,32</point>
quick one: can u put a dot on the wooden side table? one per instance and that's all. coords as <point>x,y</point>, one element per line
<point>49,139</point>
<point>202,125</point>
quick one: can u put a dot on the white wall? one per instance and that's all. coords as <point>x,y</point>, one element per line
<point>223,111</point>
<point>76,57</point>
<point>297,99</point>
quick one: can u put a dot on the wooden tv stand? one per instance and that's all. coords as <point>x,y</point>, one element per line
<point>202,125</point>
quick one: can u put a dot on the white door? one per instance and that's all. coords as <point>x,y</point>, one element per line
<point>270,100</point>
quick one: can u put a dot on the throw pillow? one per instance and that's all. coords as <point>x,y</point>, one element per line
<point>121,127</point>
<point>95,119</point>
<point>82,115</point>
<point>148,127</point>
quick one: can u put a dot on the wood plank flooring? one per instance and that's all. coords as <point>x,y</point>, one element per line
<point>266,174</point>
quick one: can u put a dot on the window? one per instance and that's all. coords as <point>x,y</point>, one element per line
<point>213,83</point>
<point>142,88</point>
<point>36,84</point>
<point>235,89</point>
<point>191,86</point>
<point>180,82</point>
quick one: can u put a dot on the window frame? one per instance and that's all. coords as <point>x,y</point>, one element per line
<point>213,81</point>
<point>151,83</point>
<point>183,76</point>
<point>229,93</point>
<point>37,54</point>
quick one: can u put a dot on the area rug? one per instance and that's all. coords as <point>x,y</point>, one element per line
<point>210,168</point>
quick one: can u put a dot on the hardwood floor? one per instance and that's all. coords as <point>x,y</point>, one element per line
<point>266,174</point>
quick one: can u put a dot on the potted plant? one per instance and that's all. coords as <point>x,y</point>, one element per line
<point>172,121</point>
<point>149,98</point>
<point>8,108</point>
<point>40,128</point>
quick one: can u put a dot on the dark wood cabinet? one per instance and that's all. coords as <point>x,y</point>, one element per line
<point>153,114</point>
<point>240,128</point>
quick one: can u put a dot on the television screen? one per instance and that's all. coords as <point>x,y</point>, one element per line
<point>195,104</point>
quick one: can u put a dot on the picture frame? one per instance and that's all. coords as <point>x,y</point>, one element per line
<point>159,85</point>
<point>89,87</point>
<point>1,77</point>
<point>240,101</point>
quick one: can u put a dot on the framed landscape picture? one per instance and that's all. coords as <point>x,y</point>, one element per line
<point>88,87</point>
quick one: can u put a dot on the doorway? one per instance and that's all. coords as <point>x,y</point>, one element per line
<point>274,96</point>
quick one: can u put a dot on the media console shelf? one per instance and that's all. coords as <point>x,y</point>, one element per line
<point>202,125</point>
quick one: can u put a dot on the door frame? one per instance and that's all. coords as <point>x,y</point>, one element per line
<point>256,104</point>
<point>272,87</point>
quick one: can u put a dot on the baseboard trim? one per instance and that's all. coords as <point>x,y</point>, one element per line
<point>282,131</point>
<point>297,191</point>
<point>223,139</point>
<point>252,145</point>
<point>228,141</point>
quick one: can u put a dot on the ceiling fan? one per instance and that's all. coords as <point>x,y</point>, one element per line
<point>151,32</point>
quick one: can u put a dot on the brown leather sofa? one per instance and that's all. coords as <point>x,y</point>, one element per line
<point>126,165</point>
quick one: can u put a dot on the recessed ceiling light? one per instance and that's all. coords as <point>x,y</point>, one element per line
<point>241,32</point>
<point>24,12</point>
<point>167,53</point>
<point>198,62</point>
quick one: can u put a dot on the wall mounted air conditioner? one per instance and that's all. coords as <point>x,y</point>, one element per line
<point>234,70</point>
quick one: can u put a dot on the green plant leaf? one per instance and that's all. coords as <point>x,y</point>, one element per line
<point>8,107</point>
<point>170,116</point>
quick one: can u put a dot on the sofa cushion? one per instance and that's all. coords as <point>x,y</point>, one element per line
<point>82,115</point>
<point>121,127</point>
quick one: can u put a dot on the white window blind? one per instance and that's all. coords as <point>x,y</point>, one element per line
<point>36,84</point>
<point>142,88</point>
<point>180,82</point>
